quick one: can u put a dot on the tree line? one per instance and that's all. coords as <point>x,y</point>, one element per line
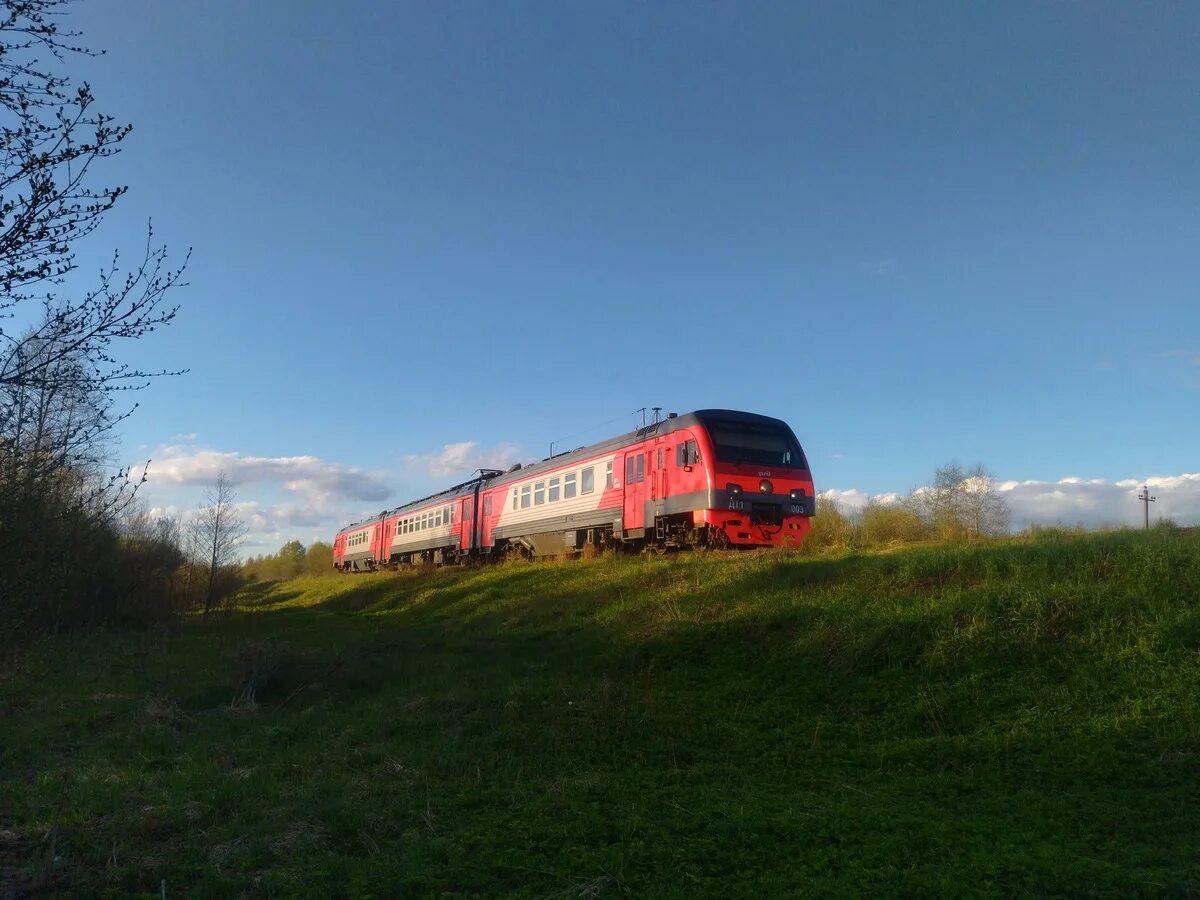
<point>958,504</point>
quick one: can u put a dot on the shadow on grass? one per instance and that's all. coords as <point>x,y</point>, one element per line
<point>955,618</point>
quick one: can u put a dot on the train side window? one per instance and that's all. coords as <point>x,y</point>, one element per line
<point>526,496</point>
<point>629,470</point>
<point>552,490</point>
<point>487,504</point>
<point>569,485</point>
<point>608,475</point>
<point>641,467</point>
<point>660,457</point>
<point>514,498</point>
<point>466,510</point>
<point>539,493</point>
<point>679,451</point>
<point>587,480</point>
<point>450,514</point>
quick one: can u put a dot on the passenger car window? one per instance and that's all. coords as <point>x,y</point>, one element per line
<point>552,490</point>
<point>539,493</point>
<point>608,475</point>
<point>525,496</point>
<point>587,480</point>
<point>569,485</point>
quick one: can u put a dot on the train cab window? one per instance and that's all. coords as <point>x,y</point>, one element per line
<point>552,490</point>
<point>569,485</point>
<point>526,496</point>
<point>539,493</point>
<point>587,480</point>
<point>687,453</point>
<point>641,467</point>
<point>608,474</point>
<point>629,470</point>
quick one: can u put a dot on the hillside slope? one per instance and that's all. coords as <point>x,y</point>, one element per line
<point>1016,719</point>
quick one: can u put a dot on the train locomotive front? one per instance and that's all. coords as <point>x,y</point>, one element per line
<point>739,479</point>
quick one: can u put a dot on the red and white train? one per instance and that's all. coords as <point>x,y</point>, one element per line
<point>710,478</point>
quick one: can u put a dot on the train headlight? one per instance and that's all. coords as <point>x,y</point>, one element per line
<point>733,488</point>
<point>765,486</point>
<point>798,494</point>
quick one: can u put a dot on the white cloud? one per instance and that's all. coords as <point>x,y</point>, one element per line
<point>1190,356</point>
<point>1074,500</point>
<point>279,498</point>
<point>852,499</point>
<point>307,476</point>
<point>878,268</point>
<point>463,458</point>
<point>1096,501</point>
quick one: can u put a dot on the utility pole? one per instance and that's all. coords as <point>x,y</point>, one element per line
<point>1146,499</point>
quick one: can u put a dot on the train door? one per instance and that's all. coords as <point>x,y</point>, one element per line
<point>636,488</point>
<point>659,485</point>
<point>377,550</point>
<point>467,522</point>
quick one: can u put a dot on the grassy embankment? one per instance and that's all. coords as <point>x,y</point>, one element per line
<point>1017,719</point>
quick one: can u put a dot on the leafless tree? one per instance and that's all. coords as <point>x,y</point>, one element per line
<point>962,503</point>
<point>59,370</point>
<point>985,510</point>
<point>218,530</point>
<point>61,375</point>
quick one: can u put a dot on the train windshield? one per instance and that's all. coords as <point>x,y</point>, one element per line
<point>755,445</point>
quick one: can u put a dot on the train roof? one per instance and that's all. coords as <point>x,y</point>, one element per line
<point>663,427</point>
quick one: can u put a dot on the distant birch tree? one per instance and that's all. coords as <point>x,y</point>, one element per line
<point>217,533</point>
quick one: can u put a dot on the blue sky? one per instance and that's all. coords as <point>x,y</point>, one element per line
<point>919,233</point>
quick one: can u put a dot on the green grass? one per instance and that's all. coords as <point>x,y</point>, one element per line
<point>1009,720</point>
